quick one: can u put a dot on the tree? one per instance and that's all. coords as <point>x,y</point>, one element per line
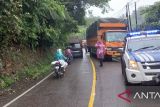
<point>77,8</point>
<point>34,23</point>
<point>41,23</point>
<point>152,16</point>
<point>46,22</point>
<point>10,13</point>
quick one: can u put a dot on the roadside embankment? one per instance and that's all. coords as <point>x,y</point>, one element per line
<point>20,67</point>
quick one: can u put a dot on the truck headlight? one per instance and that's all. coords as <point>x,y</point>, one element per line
<point>133,65</point>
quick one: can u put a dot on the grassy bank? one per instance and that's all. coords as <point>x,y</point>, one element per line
<point>39,68</point>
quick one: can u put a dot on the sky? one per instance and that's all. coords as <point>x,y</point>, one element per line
<point>118,7</point>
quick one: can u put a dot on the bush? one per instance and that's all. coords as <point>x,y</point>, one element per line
<point>32,71</point>
<point>34,23</point>
<point>6,81</point>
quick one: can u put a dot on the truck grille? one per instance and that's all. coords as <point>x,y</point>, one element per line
<point>116,49</point>
<point>152,73</point>
<point>151,65</point>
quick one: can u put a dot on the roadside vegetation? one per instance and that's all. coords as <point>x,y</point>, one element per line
<point>30,27</point>
<point>152,16</point>
<point>28,68</point>
<point>148,17</point>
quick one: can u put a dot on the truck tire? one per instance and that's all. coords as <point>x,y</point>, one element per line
<point>89,49</point>
<point>81,56</point>
<point>91,52</point>
<point>108,58</point>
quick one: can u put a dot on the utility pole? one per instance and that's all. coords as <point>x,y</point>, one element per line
<point>136,16</point>
<point>128,28</point>
<point>129,18</point>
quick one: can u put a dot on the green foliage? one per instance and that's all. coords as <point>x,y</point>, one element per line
<point>10,13</point>
<point>82,29</point>
<point>34,24</point>
<point>41,23</point>
<point>91,20</point>
<point>152,14</point>
<point>36,71</point>
<point>39,69</point>
<point>32,71</point>
<point>77,8</point>
<point>46,23</point>
<point>6,81</point>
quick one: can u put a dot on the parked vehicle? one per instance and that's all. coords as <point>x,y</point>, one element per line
<point>76,49</point>
<point>141,57</point>
<point>113,32</point>
<point>75,44</point>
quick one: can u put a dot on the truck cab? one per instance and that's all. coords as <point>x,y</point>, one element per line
<point>114,42</point>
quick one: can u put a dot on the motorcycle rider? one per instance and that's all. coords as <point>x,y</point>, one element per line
<point>61,58</point>
<point>68,54</point>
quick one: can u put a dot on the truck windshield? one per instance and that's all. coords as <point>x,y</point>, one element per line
<point>115,36</point>
<point>144,44</point>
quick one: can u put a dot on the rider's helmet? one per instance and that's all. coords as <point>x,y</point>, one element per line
<point>59,51</point>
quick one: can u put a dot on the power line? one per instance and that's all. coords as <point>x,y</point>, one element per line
<point>128,8</point>
<point>121,11</point>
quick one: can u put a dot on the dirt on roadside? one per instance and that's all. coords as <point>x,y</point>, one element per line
<point>16,89</point>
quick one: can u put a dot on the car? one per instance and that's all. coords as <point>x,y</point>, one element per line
<point>140,61</point>
<point>76,49</point>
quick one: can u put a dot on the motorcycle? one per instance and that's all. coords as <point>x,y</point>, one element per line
<point>69,59</point>
<point>58,69</point>
<point>69,56</point>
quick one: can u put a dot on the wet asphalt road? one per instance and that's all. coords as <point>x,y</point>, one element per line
<point>75,88</point>
<point>110,84</point>
<point>71,91</point>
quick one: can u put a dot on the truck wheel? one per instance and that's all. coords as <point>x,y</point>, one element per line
<point>94,55</point>
<point>81,56</point>
<point>89,50</point>
<point>108,58</point>
<point>91,53</point>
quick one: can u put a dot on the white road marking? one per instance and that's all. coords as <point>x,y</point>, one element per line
<point>15,99</point>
